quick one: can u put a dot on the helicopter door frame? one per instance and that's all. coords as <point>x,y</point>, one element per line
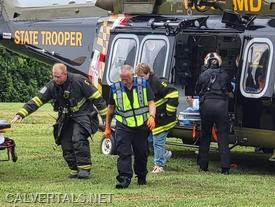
<point>112,68</point>
<point>255,65</point>
<point>155,38</point>
<point>257,54</point>
<point>112,64</point>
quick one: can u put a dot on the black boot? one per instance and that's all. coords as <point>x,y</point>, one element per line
<point>203,169</point>
<point>141,180</point>
<point>83,174</point>
<point>123,182</point>
<point>224,170</point>
<point>73,174</point>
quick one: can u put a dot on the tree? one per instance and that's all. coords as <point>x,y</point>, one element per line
<point>20,77</point>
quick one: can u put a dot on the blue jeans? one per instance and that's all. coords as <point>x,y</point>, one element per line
<point>159,148</point>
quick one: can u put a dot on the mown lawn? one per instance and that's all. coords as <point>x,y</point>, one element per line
<point>40,170</point>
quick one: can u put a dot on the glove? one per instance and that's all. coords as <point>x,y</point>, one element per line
<point>107,133</point>
<point>16,118</point>
<point>151,123</point>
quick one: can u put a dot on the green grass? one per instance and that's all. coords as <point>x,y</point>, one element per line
<point>41,170</point>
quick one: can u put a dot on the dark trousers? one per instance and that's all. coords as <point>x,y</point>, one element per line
<point>214,111</point>
<point>75,145</point>
<point>131,141</point>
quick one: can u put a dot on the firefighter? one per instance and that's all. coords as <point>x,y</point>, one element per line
<point>166,101</point>
<point>132,102</point>
<point>212,88</point>
<point>73,98</point>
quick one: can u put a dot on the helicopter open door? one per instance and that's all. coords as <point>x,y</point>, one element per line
<point>255,96</point>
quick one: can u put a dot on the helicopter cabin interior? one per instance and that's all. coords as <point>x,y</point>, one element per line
<point>190,50</point>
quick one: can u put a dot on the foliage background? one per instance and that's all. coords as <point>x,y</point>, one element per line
<point>20,77</point>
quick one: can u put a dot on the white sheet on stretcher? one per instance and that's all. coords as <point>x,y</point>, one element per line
<point>189,116</point>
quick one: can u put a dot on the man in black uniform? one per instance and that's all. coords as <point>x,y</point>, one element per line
<point>73,97</point>
<point>212,87</point>
<point>132,101</point>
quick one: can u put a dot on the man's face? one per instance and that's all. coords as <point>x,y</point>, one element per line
<point>59,77</point>
<point>127,79</point>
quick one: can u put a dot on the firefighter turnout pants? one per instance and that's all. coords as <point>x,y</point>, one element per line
<point>75,146</point>
<point>131,140</point>
<point>214,111</point>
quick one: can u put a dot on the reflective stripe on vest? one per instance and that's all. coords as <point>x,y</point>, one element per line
<point>139,111</point>
<point>119,97</point>
<point>140,92</point>
<point>134,114</point>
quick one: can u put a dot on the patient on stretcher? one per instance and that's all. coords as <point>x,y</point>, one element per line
<point>191,113</point>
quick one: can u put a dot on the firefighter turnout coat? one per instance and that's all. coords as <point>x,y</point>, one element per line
<point>75,99</point>
<point>166,101</point>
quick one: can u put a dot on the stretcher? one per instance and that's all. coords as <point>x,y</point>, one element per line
<point>195,122</point>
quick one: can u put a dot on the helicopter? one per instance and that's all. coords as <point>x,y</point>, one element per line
<point>51,33</point>
<point>173,37</point>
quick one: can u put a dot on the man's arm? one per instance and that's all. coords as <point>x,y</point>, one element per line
<point>30,107</point>
<point>100,104</point>
<point>151,124</point>
<point>109,115</point>
<point>152,108</point>
<point>110,112</point>
<point>172,96</point>
<point>91,93</point>
<point>35,103</point>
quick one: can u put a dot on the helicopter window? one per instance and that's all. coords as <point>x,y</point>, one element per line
<point>154,52</point>
<point>256,67</point>
<point>123,51</point>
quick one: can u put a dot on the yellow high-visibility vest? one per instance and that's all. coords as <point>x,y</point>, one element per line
<point>131,114</point>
